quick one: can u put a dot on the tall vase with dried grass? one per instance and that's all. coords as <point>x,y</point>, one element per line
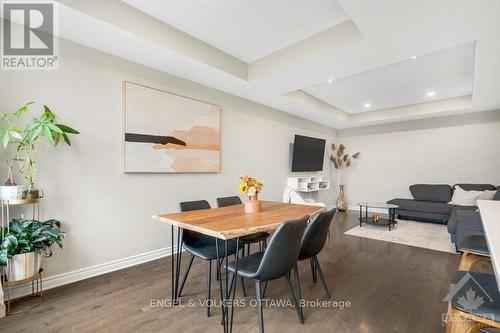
<point>341,160</point>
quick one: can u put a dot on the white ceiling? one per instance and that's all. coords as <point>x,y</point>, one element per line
<point>447,74</point>
<point>377,34</point>
<point>246,29</point>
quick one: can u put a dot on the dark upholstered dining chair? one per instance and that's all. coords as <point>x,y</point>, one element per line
<point>248,240</point>
<point>276,261</point>
<point>313,242</point>
<point>203,247</point>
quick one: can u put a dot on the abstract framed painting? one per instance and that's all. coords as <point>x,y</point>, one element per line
<point>169,133</point>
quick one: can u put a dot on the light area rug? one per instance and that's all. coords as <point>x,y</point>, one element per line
<point>420,234</point>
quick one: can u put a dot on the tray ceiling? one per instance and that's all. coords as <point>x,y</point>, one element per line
<point>282,53</point>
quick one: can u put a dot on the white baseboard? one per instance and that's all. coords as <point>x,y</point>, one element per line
<point>88,272</point>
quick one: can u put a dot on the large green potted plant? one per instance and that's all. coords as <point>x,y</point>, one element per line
<point>21,133</point>
<point>24,243</point>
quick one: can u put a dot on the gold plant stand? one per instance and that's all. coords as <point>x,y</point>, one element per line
<point>33,300</point>
<point>36,296</point>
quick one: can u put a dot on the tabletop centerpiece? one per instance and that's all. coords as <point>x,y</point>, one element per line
<point>251,187</point>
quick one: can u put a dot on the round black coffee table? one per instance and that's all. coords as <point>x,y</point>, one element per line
<point>364,218</point>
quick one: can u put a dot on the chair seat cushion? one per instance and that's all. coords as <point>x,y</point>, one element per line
<point>422,206</point>
<point>474,244</point>
<point>254,238</point>
<point>247,266</point>
<point>204,247</point>
<point>475,293</point>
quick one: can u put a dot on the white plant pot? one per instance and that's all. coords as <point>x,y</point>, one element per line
<point>12,192</point>
<point>23,266</point>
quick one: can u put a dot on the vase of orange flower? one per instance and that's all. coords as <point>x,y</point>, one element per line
<point>251,187</point>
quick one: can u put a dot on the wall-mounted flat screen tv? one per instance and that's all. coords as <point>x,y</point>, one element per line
<point>308,154</point>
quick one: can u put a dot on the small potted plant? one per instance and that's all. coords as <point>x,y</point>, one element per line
<point>20,145</point>
<point>23,245</point>
<point>9,132</point>
<point>251,187</point>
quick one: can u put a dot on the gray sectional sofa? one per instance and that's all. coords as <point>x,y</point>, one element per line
<point>430,204</point>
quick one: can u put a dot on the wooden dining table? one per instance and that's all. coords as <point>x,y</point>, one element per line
<point>226,224</point>
<point>490,216</point>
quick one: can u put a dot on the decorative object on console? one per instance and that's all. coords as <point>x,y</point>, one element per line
<point>341,161</point>
<point>20,145</point>
<point>166,133</point>
<point>291,195</point>
<point>251,187</point>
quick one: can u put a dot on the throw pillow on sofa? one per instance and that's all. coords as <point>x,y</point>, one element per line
<point>487,195</point>
<point>464,198</point>
<point>497,195</point>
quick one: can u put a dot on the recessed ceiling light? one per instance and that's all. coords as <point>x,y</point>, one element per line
<point>431,93</point>
<point>367,105</point>
<point>330,80</point>
<point>413,57</point>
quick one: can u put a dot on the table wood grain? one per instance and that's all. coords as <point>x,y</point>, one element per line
<point>232,222</point>
<point>490,216</point>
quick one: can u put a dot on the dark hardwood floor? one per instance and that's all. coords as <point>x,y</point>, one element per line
<point>390,287</point>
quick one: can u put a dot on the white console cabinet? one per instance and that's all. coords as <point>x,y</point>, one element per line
<point>308,184</point>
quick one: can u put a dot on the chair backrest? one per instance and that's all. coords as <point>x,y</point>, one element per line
<point>315,235</point>
<point>188,236</point>
<point>282,251</point>
<point>228,201</point>
<point>194,205</point>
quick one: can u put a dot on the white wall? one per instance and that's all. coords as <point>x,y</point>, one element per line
<point>107,214</point>
<point>445,150</point>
